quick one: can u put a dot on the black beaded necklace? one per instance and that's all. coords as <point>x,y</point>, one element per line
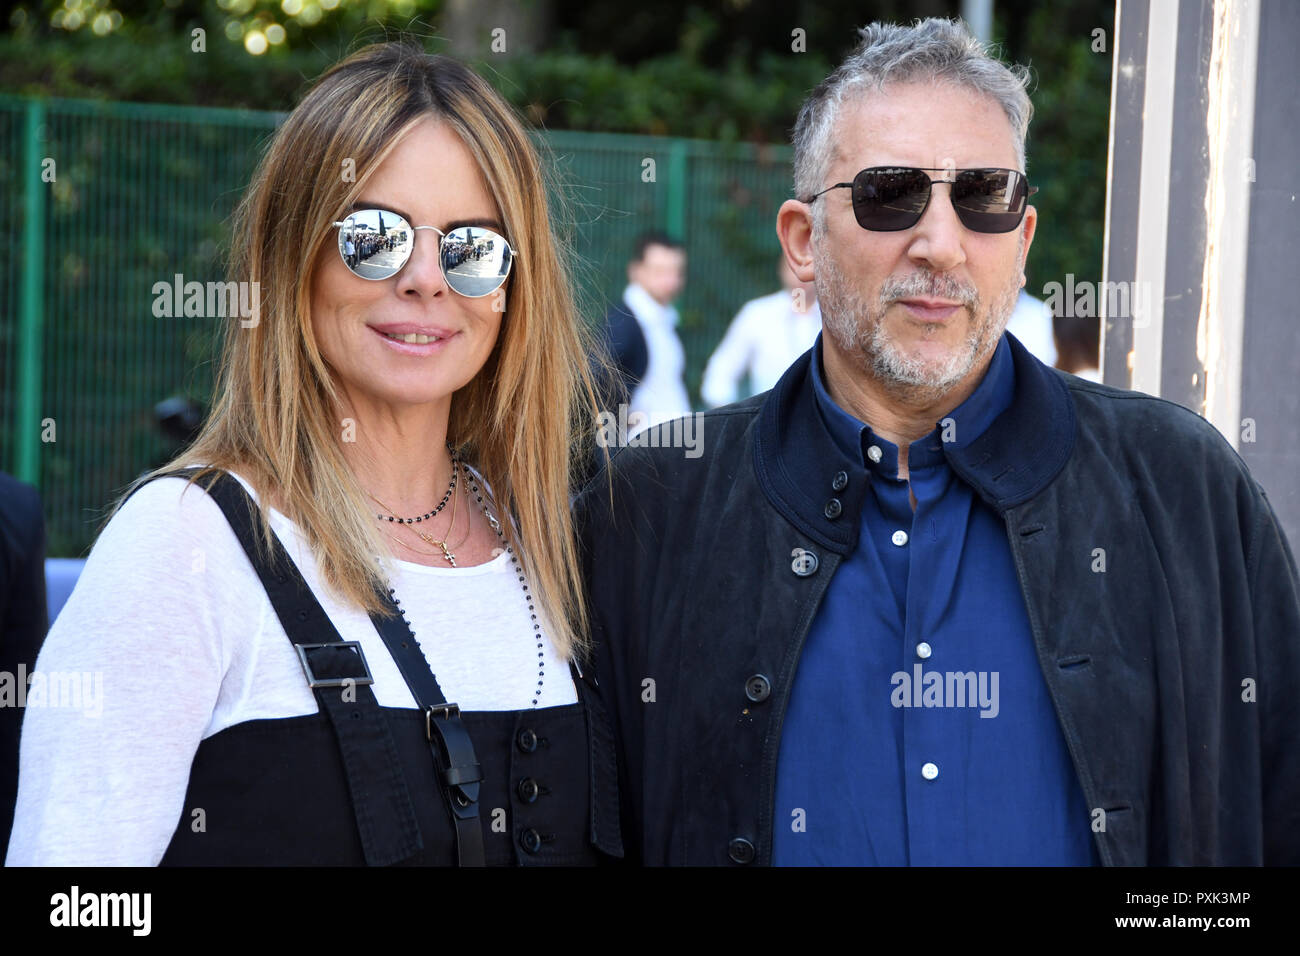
<point>516,567</point>
<point>429,515</point>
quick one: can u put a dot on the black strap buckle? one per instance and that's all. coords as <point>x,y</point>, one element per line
<point>445,711</point>
<point>341,675</point>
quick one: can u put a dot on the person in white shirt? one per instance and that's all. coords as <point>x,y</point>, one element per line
<point>316,636</point>
<point>656,276</point>
<point>767,334</point>
<point>1031,324</point>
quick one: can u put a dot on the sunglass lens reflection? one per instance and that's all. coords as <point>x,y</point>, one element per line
<point>890,199</point>
<point>375,243</point>
<point>990,200</point>
<point>475,260</point>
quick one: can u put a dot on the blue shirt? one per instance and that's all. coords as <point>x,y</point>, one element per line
<point>920,730</point>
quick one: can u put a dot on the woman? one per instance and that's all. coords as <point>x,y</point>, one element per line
<point>273,678</point>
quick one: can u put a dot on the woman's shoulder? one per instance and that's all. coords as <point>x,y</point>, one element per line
<point>168,507</point>
<point>165,572</point>
<point>165,525</point>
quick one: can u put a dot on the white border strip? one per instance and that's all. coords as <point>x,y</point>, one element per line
<point>1148,295</point>
<point>1230,121</point>
<point>1110,193</point>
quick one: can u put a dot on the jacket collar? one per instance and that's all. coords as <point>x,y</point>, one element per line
<point>821,488</point>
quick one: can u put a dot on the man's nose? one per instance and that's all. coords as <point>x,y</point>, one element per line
<point>938,238</point>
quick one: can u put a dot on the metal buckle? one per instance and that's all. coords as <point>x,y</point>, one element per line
<point>446,710</point>
<point>313,681</point>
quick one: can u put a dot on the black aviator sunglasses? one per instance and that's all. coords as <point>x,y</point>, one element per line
<point>893,198</point>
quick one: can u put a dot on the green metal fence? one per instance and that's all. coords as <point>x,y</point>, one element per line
<point>99,201</point>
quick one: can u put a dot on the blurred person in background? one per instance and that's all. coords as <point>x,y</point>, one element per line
<point>1031,324</point>
<point>641,332</point>
<point>357,641</point>
<point>22,623</point>
<point>1078,343</point>
<point>767,334</point>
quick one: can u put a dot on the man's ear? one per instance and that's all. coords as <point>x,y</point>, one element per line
<point>794,229</point>
<point>1028,228</point>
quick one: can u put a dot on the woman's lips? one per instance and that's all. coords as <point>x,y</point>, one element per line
<point>431,347</point>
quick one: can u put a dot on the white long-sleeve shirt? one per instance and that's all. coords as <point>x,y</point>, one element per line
<point>764,338</point>
<point>661,394</point>
<point>172,624</point>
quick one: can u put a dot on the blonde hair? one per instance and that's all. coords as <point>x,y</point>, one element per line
<point>521,421</point>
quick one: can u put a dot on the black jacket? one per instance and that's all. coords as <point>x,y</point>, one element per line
<point>626,344</point>
<point>1175,673</point>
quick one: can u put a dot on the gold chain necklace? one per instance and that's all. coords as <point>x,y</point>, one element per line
<point>446,552</point>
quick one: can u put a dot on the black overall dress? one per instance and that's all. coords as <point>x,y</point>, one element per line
<point>357,784</point>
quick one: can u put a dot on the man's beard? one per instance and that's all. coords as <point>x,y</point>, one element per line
<point>858,327</point>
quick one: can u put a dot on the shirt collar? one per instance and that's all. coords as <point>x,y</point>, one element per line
<point>800,468</point>
<point>644,305</point>
<point>954,431</point>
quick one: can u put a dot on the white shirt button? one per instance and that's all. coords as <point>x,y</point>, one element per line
<point>874,453</point>
<point>929,771</point>
<point>899,538</point>
<point>923,650</point>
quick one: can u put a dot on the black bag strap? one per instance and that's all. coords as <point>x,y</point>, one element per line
<point>453,750</point>
<point>338,676</point>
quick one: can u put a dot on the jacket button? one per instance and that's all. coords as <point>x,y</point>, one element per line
<point>530,840</point>
<point>740,850</point>
<point>527,789</point>
<point>526,741</point>
<point>840,481</point>
<point>804,563</point>
<point>758,688</point>
<point>832,509</point>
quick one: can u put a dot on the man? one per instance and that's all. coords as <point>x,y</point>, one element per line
<point>929,601</point>
<point>641,336</point>
<point>767,334</point>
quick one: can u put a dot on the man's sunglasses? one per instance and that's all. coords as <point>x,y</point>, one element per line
<point>376,243</point>
<point>892,198</point>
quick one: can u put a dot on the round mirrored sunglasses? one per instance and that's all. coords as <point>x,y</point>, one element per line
<point>376,244</point>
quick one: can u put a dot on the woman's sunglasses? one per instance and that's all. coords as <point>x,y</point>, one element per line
<point>892,198</point>
<point>376,243</point>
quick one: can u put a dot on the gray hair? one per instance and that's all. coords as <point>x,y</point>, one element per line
<point>889,53</point>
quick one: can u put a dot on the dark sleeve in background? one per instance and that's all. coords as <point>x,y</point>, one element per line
<point>627,347</point>
<point>617,367</point>
<point>23,620</point>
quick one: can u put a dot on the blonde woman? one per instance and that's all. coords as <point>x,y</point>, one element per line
<point>380,662</point>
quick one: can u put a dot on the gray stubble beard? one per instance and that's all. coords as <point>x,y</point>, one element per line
<point>857,327</point>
